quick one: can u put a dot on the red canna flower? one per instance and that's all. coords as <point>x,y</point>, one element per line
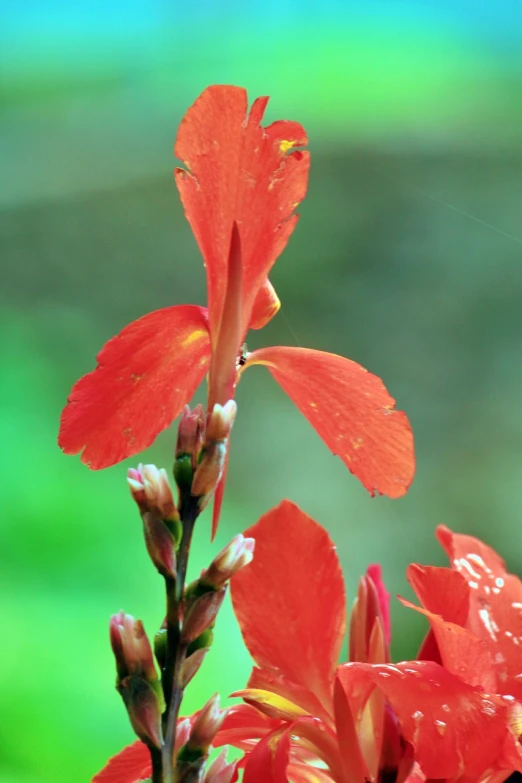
<point>306,717</point>
<point>475,613</point>
<point>240,186</point>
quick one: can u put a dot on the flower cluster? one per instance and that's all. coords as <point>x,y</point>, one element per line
<point>454,714</point>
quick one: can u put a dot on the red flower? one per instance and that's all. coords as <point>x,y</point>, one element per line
<point>309,718</point>
<point>239,188</point>
<point>475,614</point>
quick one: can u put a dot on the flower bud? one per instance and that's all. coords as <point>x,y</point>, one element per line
<point>206,725</point>
<point>200,613</point>
<point>161,544</point>
<point>131,648</point>
<point>238,553</point>
<point>144,706</point>
<point>220,771</point>
<point>210,468</point>
<point>151,490</point>
<point>190,433</point>
<point>137,680</point>
<point>367,631</point>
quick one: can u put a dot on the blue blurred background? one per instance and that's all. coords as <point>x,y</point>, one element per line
<point>407,259</point>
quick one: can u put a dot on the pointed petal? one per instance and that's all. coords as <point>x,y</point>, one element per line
<point>132,764</point>
<point>144,377</point>
<point>295,574</point>
<point>441,591</point>
<point>495,612</point>
<point>355,768</point>
<point>375,573</point>
<point>268,762</point>
<point>239,171</point>
<point>266,306</point>
<point>462,653</point>
<point>351,411</point>
<point>452,726</point>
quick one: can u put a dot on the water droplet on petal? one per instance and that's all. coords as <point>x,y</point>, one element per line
<point>441,727</point>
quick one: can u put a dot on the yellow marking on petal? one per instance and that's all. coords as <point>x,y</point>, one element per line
<point>197,334</point>
<point>357,443</point>
<point>312,404</point>
<point>285,145</point>
<point>271,704</point>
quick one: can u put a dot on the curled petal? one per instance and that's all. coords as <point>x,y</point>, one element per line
<point>236,170</point>
<point>452,726</point>
<point>351,410</point>
<point>495,612</point>
<point>266,306</point>
<point>295,574</point>
<point>462,653</point>
<point>145,375</point>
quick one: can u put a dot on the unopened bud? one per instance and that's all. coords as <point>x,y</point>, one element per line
<point>151,490</point>
<point>131,648</point>
<point>237,554</point>
<point>161,544</point>
<point>190,433</point>
<point>200,613</point>
<point>367,634</point>
<point>210,468</point>
<point>206,725</point>
<point>220,771</point>
<point>144,706</point>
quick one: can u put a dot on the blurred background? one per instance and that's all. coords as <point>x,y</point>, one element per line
<point>407,258</point>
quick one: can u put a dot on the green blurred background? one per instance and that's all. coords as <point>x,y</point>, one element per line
<point>407,259</point>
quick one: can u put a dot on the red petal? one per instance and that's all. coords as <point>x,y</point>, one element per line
<point>429,650</point>
<point>461,652</point>
<point>132,764</point>
<point>144,377</point>
<point>375,573</point>
<point>244,723</point>
<point>355,767</point>
<point>352,412</point>
<point>441,591</point>
<point>290,601</point>
<point>452,726</point>
<point>266,305</point>
<point>243,172</point>
<point>495,611</point>
<point>269,760</point>
<point>267,679</point>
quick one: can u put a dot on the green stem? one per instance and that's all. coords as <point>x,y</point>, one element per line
<point>176,651</point>
<point>157,765</point>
